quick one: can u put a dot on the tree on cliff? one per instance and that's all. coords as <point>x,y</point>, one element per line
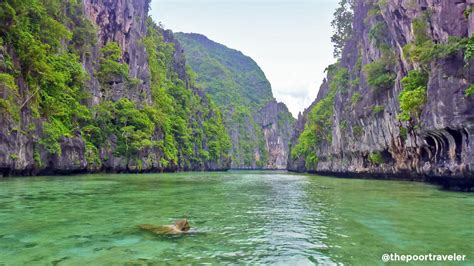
<point>342,25</point>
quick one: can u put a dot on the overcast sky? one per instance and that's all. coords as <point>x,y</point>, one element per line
<point>289,39</point>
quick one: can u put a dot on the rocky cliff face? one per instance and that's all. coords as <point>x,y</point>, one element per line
<point>296,162</point>
<point>260,140</point>
<point>99,88</point>
<point>123,22</point>
<point>259,126</point>
<point>389,127</point>
<point>276,123</point>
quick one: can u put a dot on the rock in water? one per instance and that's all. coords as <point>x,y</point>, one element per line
<point>180,227</point>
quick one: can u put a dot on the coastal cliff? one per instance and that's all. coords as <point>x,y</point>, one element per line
<point>399,103</point>
<point>259,126</point>
<point>93,86</point>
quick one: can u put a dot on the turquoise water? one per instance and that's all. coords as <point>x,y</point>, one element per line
<point>237,217</point>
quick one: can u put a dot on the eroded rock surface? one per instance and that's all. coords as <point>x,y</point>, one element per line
<point>440,147</point>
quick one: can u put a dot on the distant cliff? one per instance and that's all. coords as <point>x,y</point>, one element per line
<point>98,86</point>
<point>400,101</point>
<point>259,127</point>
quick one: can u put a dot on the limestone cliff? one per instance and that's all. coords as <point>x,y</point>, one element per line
<point>276,123</point>
<point>99,88</point>
<point>401,103</point>
<point>259,126</point>
<point>123,22</point>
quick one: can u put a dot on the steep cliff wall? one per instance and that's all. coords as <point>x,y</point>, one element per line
<point>123,22</point>
<point>97,86</point>
<point>259,126</point>
<point>399,102</point>
<point>276,123</point>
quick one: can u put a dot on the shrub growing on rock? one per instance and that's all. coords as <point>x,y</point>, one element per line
<point>379,76</point>
<point>469,91</point>
<point>376,158</point>
<point>413,97</point>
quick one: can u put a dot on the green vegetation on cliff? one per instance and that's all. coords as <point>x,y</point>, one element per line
<point>241,90</point>
<point>413,97</point>
<point>342,26</point>
<point>188,138</point>
<point>404,107</point>
<point>44,43</point>
<point>318,129</point>
<point>469,91</point>
<point>232,78</point>
<point>53,75</point>
<point>424,50</point>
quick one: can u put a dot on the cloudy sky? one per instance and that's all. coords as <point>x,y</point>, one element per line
<point>289,39</point>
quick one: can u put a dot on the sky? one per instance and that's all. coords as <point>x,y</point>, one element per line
<point>289,39</point>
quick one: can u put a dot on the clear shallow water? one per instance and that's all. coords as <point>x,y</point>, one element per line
<point>238,217</point>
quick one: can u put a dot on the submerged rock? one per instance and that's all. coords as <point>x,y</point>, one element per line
<point>180,227</point>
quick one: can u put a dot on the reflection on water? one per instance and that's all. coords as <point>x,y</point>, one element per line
<point>237,217</point>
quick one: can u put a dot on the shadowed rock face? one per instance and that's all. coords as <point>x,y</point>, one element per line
<point>441,147</point>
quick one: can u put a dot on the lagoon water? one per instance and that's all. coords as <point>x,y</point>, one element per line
<point>240,217</point>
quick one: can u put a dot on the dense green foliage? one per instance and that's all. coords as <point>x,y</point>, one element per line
<point>133,127</point>
<point>192,128</point>
<point>342,25</point>
<point>356,97</point>
<point>244,151</point>
<point>423,50</point>
<point>110,65</point>
<point>50,39</point>
<point>415,79</point>
<point>379,75</point>
<point>230,77</point>
<point>240,89</point>
<point>36,30</point>
<point>429,51</point>
<point>320,119</point>
<point>413,97</point>
<point>8,105</point>
<point>469,49</point>
<point>469,91</point>
<point>376,158</point>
